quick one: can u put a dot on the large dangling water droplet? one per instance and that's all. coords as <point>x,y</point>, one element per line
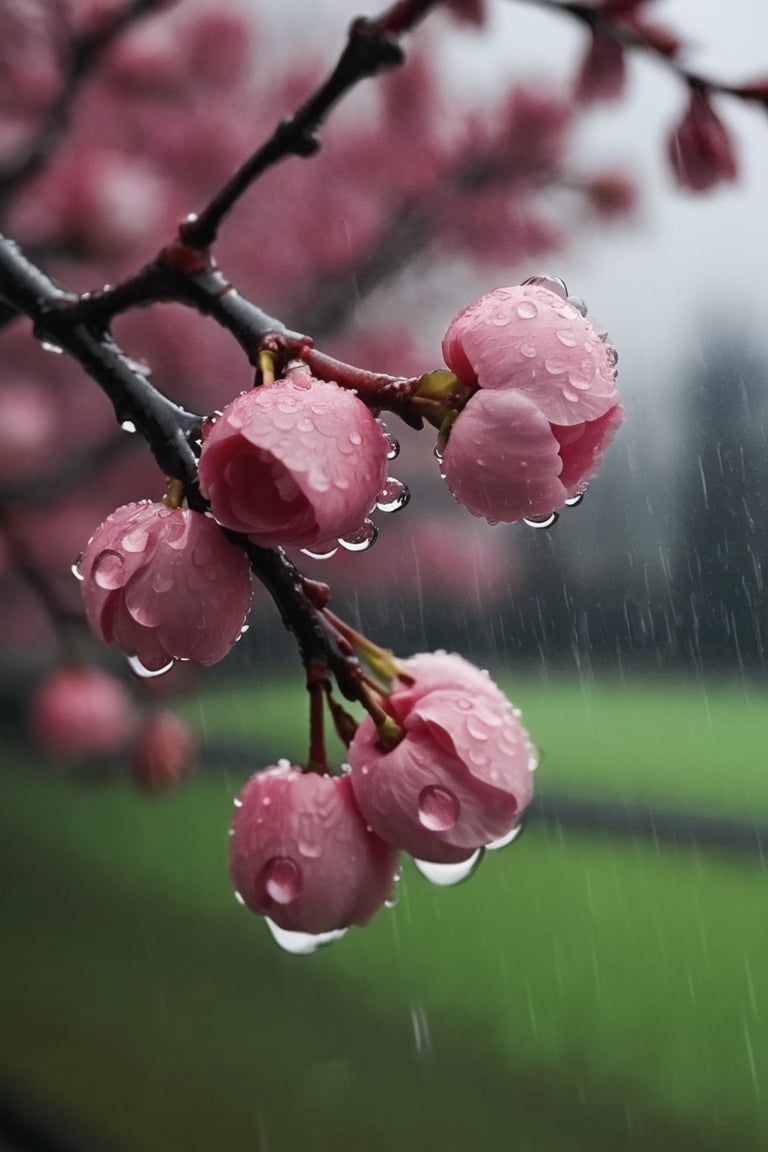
<point>75,569</point>
<point>362,538</point>
<point>321,552</point>
<point>127,425</point>
<point>145,673</point>
<point>541,521</point>
<point>577,303</point>
<point>393,496</point>
<point>438,451</point>
<point>508,838</point>
<point>438,808</point>
<point>393,445</point>
<point>445,875</point>
<point>575,500</point>
<point>613,356</point>
<point>551,283</point>
<point>302,943</point>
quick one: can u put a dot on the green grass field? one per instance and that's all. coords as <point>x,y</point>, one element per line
<point>576,993</point>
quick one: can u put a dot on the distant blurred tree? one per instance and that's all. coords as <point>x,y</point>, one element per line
<point>722,506</point>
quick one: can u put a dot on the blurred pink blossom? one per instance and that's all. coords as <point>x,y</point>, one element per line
<point>602,72</point>
<point>81,711</point>
<point>700,149</point>
<point>163,753</point>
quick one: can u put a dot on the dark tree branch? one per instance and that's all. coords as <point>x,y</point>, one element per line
<point>372,46</point>
<point>656,41</point>
<point>168,428</point>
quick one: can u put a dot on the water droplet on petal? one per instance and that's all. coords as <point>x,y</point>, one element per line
<point>577,303</point>
<point>566,337</point>
<point>541,521</point>
<point>162,581</point>
<point>128,426</point>
<point>145,673</point>
<point>527,310</point>
<point>528,351</point>
<point>75,569</point>
<point>444,875</point>
<point>507,838</point>
<point>108,570</point>
<point>362,538</point>
<point>438,809</point>
<point>613,356</point>
<point>49,346</point>
<point>282,879</point>
<point>555,366</point>
<point>438,451</point>
<point>551,283</point>
<point>135,541</point>
<point>355,438</point>
<point>238,897</point>
<point>393,496</point>
<point>302,943</point>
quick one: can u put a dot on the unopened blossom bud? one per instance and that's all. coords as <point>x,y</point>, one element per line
<point>81,711</point>
<point>701,150</point>
<point>294,464</point>
<point>165,584</point>
<point>601,76</point>
<point>546,405</point>
<point>164,752</point>
<point>460,776</point>
<point>301,854</point>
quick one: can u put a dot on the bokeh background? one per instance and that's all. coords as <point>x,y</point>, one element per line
<point>600,984</point>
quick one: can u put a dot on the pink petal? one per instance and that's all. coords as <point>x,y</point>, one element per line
<point>502,460</point>
<point>530,339</point>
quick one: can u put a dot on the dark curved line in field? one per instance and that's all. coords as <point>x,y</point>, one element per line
<point>664,826</point>
<point>628,819</point>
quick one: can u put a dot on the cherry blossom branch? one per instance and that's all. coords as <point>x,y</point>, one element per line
<point>619,21</point>
<point>187,277</point>
<point>372,47</point>
<point>84,54</point>
<point>168,428</point>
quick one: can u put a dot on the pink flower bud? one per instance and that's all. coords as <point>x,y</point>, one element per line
<point>601,76</point>
<point>546,406</point>
<point>79,712</point>
<point>297,463</point>
<point>165,584</point>
<point>701,150</point>
<point>461,775</point>
<point>164,752</point>
<point>301,854</point>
